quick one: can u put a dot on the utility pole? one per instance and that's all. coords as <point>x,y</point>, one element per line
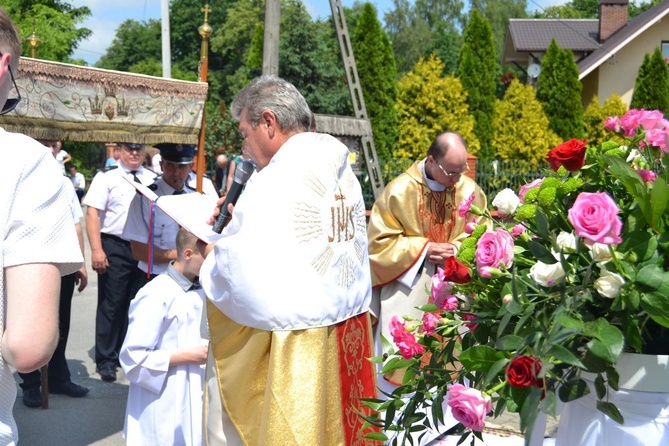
<point>167,53</point>
<point>270,47</point>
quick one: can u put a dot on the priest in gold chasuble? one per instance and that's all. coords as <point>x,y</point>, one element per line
<point>413,227</point>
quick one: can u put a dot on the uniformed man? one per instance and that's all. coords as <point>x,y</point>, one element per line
<point>176,164</point>
<point>208,187</point>
<point>119,279</point>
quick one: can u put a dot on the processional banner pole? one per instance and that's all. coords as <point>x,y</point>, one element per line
<point>205,31</point>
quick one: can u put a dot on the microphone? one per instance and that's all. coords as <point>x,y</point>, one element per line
<point>242,173</point>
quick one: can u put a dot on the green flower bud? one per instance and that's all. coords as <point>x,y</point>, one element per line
<point>467,255</point>
<point>562,171</point>
<point>478,231</point>
<point>620,153</point>
<point>608,145</point>
<point>571,185</point>
<point>475,210</point>
<point>525,212</point>
<point>547,196</point>
<point>550,182</point>
<point>469,242</point>
<point>531,195</point>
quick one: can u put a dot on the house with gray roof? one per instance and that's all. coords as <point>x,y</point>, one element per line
<point>608,50</point>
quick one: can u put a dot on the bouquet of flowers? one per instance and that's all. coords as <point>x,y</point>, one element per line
<point>570,273</point>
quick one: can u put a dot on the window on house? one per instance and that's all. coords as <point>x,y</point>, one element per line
<point>665,50</point>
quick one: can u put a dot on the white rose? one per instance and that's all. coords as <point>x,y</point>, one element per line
<point>600,252</point>
<point>634,157</point>
<point>566,241</point>
<point>609,284</point>
<point>546,275</point>
<point>506,202</point>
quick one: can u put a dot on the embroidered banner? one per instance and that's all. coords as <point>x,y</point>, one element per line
<point>74,103</point>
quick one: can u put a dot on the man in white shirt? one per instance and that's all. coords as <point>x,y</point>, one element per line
<point>78,181</point>
<point>38,243</point>
<point>140,230</point>
<point>108,200</point>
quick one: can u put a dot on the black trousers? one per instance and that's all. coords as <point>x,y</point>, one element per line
<point>59,373</point>
<point>116,287</point>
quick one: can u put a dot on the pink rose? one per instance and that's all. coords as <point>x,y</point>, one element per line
<point>646,175</point>
<point>532,185</point>
<point>466,205</point>
<point>666,138</point>
<point>406,342</point>
<point>448,303</point>
<point>657,138</point>
<point>517,230</point>
<point>470,317</point>
<point>494,250</point>
<point>612,124</point>
<point>630,121</point>
<point>469,406</point>
<point>440,288</point>
<point>430,323</point>
<point>651,119</point>
<point>595,218</point>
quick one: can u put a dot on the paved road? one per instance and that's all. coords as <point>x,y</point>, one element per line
<point>97,419</point>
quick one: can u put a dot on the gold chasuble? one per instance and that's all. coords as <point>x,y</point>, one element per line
<point>289,290</point>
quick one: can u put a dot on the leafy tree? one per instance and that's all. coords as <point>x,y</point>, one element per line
<point>377,73</point>
<point>558,12</point>
<point>55,23</point>
<point>521,126</point>
<point>651,90</point>
<point>254,59</point>
<point>446,44</point>
<point>308,59</point>
<point>595,115</point>
<point>221,135</point>
<point>409,34</point>
<point>135,42</point>
<point>477,74</point>
<point>428,104</point>
<point>498,13</point>
<point>559,91</point>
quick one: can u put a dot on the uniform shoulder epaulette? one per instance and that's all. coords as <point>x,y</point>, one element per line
<point>153,187</point>
<point>109,168</point>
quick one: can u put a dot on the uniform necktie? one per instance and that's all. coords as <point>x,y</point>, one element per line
<point>178,192</point>
<point>196,284</point>
<point>134,176</point>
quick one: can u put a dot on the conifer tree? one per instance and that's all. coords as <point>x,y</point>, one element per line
<point>559,92</point>
<point>429,104</point>
<point>377,72</point>
<point>651,90</point>
<point>521,126</point>
<point>476,71</point>
<point>595,115</point>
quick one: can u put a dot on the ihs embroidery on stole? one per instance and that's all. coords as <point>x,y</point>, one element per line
<point>338,224</point>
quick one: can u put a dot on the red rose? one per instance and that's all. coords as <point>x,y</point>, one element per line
<point>522,372</point>
<point>570,154</point>
<point>455,271</point>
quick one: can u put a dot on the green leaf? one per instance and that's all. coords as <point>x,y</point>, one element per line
<point>494,370</point>
<point>529,413</point>
<point>480,357</point>
<point>569,322</point>
<point>573,390</point>
<point>600,387</point>
<point>388,347</point>
<point>541,252</point>
<point>653,278</point>
<point>563,354</point>
<point>376,436</point>
<point>428,308</point>
<point>632,182</point>
<point>541,224</point>
<point>640,242</point>
<point>613,378</point>
<point>396,363</point>
<point>608,342</point>
<point>508,342</point>
<point>610,410</point>
<point>659,197</point>
<point>656,305</point>
<point>549,403</point>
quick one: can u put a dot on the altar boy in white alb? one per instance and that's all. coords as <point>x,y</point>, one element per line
<point>163,354</point>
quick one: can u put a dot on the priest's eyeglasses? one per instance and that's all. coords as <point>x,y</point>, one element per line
<point>11,104</point>
<point>453,174</point>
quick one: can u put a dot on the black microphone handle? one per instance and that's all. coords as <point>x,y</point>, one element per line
<point>232,197</point>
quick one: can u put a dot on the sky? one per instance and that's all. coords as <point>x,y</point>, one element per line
<point>107,15</point>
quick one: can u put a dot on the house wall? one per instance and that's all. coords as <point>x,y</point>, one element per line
<point>619,77</point>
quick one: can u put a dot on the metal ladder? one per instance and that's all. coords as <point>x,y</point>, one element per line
<point>359,109</point>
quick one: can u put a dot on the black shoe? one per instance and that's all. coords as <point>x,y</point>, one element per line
<point>32,397</point>
<point>107,372</point>
<point>68,388</point>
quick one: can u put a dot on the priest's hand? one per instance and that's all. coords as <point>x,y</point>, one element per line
<point>193,355</point>
<point>439,252</point>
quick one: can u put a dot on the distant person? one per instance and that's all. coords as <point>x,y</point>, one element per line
<point>155,163</point>
<point>116,155</point>
<point>59,377</point>
<point>38,243</point>
<point>235,161</point>
<point>163,354</point>
<point>78,181</point>
<point>108,200</point>
<point>221,174</point>
<point>62,157</point>
<point>208,187</point>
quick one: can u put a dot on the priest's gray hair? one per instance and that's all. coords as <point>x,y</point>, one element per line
<point>276,95</point>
